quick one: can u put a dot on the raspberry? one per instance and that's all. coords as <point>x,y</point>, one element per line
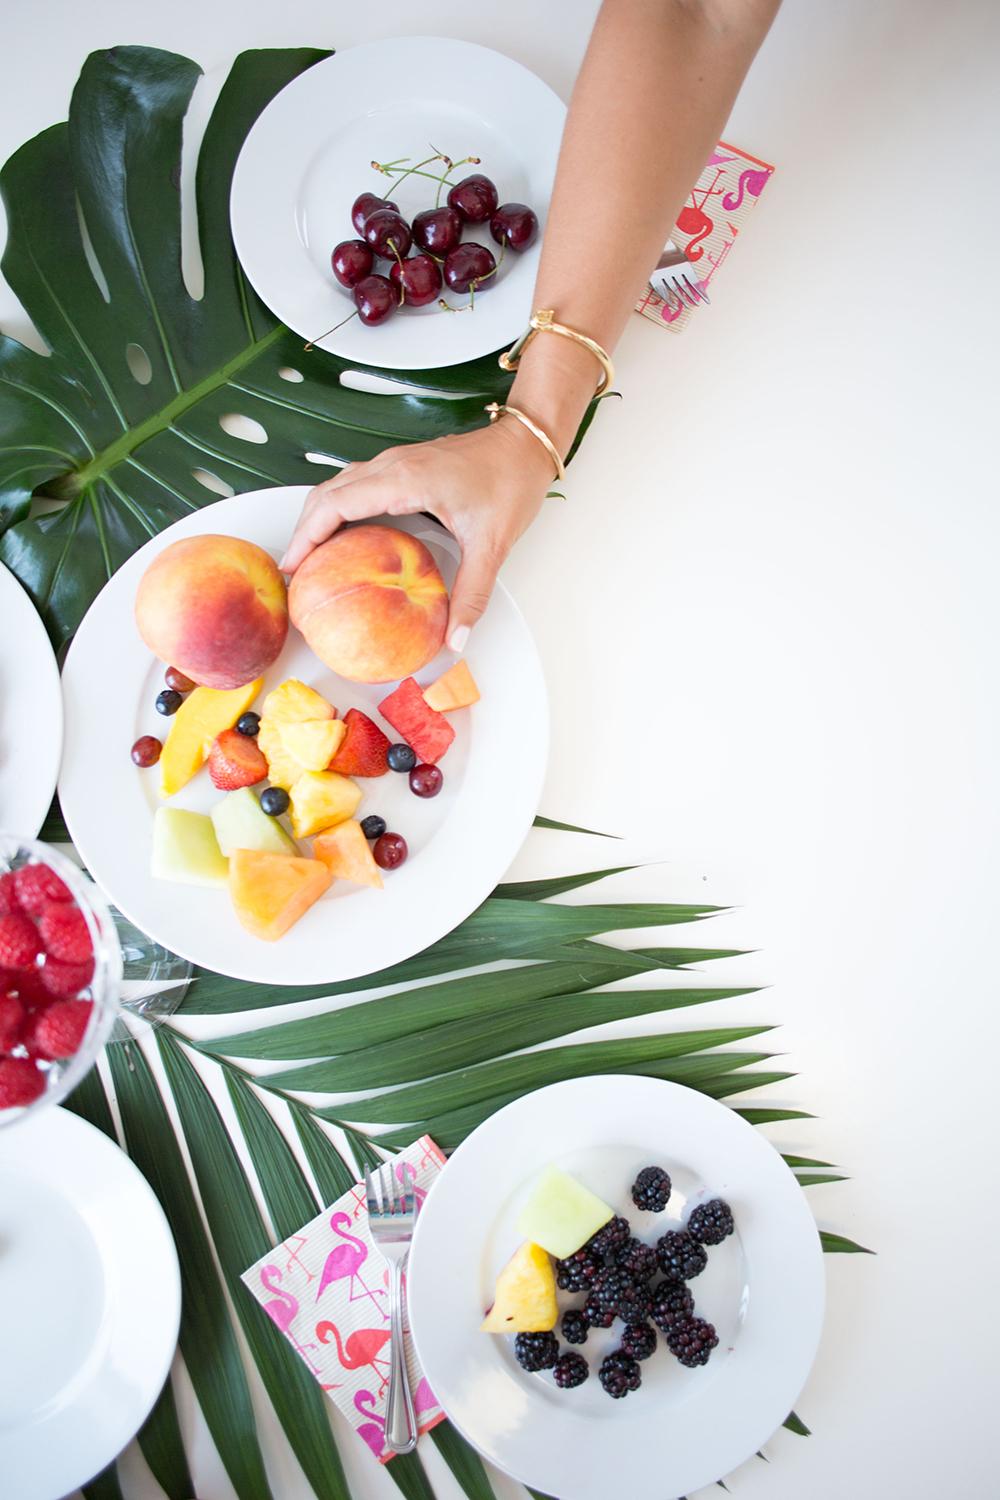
<point>65,934</point>
<point>235,760</point>
<point>59,1030</point>
<point>18,941</point>
<point>8,894</point>
<point>29,989</point>
<point>11,1021</point>
<point>20,1082</point>
<point>65,981</point>
<point>37,885</point>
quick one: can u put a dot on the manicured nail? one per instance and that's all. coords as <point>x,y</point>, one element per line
<point>281,566</point>
<point>459,637</point>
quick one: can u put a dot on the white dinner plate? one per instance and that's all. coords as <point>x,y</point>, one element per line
<point>762,1289</point>
<point>309,155</point>
<point>91,1296</point>
<point>460,842</point>
<point>31,713</point>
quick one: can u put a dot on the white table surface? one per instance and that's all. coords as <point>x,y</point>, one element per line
<point>768,611</point>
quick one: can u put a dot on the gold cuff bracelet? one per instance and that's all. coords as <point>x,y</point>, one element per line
<point>542,322</point>
<point>496,412</point>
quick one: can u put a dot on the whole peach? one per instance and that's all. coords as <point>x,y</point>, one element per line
<point>371,603</point>
<point>214,607</point>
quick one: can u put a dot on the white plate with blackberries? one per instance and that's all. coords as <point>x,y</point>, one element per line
<point>687,1278</point>
<point>388,203</point>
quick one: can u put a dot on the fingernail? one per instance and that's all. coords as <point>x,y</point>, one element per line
<point>459,637</point>
<point>281,566</point>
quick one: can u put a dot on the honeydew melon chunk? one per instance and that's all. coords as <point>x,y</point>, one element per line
<point>241,823</point>
<point>525,1300</point>
<point>561,1213</point>
<point>185,848</point>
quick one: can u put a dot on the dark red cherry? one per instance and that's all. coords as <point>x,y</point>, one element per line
<point>352,260</point>
<point>385,230</point>
<point>475,198</point>
<point>365,206</point>
<point>515,225</point>
<point>438,230</point>
<point>419,277</point>
<point>468,264</point>
<point>375,298</point>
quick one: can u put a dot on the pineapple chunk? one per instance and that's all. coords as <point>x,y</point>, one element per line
<point>283,769</point>
<point>456,689</point>
<point>293,701</point>
<point>185,848</point>
<point>320,799</point>
<point>525,1299</point>
<point>313,742</point>
<point>272,891</point>
<point>345,852</point>
<point>561,1213</point>
<point>204,713</point>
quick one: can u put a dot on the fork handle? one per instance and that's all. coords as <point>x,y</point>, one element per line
<point>400,1418</point>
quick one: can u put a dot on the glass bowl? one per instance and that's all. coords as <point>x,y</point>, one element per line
<point>63,1076</point>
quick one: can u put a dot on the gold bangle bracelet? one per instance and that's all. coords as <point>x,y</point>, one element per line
<point>542,322</point>
<point>496,412</point>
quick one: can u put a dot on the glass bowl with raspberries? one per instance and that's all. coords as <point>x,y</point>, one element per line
<point>60,976</point>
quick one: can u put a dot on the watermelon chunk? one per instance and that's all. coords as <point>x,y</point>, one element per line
<point>427,732</point>
<point>362,750</point>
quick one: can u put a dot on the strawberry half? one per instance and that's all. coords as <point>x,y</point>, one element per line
<point>235,760</point>
<point>362,751</point>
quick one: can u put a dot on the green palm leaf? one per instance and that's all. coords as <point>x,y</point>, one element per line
<point>162,1446</point>
<point>333,1176</point>
<point>288,1196</point>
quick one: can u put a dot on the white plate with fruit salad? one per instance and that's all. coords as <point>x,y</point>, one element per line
<point>308,158</point>
<point>558,1166</point>
<point>183,845</point>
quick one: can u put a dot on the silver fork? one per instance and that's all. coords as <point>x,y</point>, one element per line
<point>392,1213</point>
<point>676,280</point>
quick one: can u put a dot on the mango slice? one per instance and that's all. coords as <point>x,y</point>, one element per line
<point>202,715</point>
<point>525,1299</point>
<point>345,852</point>
<point>320,799</point>
<point>270,892</point>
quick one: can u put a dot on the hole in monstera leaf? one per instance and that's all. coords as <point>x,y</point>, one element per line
<point>138,363</point>
<point>244,428</point>
<point>295,376</point>
<point>213,482</point>
<point>379,385</point>
<point>328,459</point>
<point>89,252</point>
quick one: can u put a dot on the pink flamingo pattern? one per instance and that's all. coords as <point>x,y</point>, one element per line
<point>321,1287</point>
<point>344,1263</point>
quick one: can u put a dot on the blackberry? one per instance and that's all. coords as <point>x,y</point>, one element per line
<point>672,1302</point>
<point>609,1238</point>
<point>711,1222</point>
<point>570,1370</point>
<point>635,1302</point>
<point>575,1324</point>
<point>596,1313</point>
<point>692,1340</point>
<point>651,1189</point>
<point>637,1260</point>
<point>609,1288</point>
<point>620,1374</point>
<point>536,1351</point>
<point>639,1340</point>
<point>680,1257</point>
<point>577,1273</point>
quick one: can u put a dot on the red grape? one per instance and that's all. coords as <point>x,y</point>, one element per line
<point>177,680</point>
<point>426,781</point>
<point>146,750</point>
<point>390,851</point>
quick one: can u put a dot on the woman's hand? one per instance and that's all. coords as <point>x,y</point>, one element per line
<point>486,486</point>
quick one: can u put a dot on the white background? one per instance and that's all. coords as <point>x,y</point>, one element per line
<point>767,610</point>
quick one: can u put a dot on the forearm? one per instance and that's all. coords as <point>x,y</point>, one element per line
<point>657,85</point>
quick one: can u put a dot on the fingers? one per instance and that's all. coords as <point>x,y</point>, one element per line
<point>328,505</point>
<point>472,589</point>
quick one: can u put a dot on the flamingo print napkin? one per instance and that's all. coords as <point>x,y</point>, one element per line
<point>712,217</point>
<point>327,1288</point>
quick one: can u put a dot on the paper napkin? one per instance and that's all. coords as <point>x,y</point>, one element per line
<point>720,204</point>
<point>327,1289</point>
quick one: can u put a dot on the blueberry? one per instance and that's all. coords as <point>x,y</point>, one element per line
<point>400,758</point>
<point>373,826</point>
<point>248,724</point>
<point>274,801</point>
<point>168,702</point>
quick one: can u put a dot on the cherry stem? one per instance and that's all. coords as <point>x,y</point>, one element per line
<point>313,342</point>
<point>399,259</point>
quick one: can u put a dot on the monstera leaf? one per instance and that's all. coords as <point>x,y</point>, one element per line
<point>115,422</point>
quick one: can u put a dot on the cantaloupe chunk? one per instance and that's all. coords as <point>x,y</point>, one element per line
<point>204,713</point>
<point>456,689</point>
<point>313,742</point>
<point>185,848</point>
<point>270,892</point>
<point>561,1213</point>
<point>345,852</point>
<point>525,1300</point>
<point>293,701</point>
<point>319,799</point>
